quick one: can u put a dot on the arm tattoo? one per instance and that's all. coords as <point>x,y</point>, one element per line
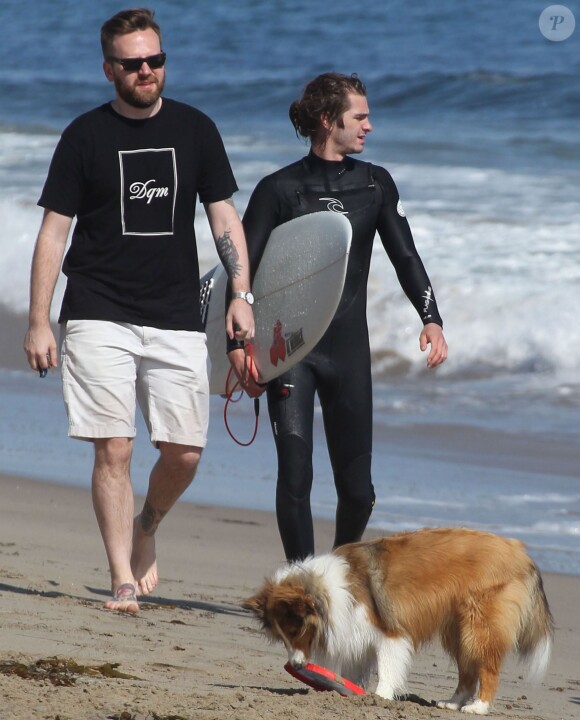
<point>150,518</point>
<point>228,255</point>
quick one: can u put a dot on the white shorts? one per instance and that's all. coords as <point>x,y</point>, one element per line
<point>108,366</point>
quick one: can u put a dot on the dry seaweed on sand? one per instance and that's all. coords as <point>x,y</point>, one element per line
<point>61,671</point>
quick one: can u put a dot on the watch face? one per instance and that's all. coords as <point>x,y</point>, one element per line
<point>250,298</point>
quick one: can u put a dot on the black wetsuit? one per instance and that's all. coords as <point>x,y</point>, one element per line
<point>339,367</point>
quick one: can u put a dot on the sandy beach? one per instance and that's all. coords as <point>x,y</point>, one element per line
<point>192,652</point>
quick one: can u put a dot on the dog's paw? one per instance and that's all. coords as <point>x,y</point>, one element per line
<point>477,707</point>
<point>448,705</point>
<point>386,692</point>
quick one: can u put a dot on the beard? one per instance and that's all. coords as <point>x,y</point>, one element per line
<point>139,97</point>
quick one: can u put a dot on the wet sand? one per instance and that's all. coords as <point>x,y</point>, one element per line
<point>192,652</point>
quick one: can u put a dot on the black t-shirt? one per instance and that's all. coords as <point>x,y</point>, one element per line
<point>133,186</point>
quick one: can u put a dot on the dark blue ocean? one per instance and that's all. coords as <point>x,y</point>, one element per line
<point>475,114</point>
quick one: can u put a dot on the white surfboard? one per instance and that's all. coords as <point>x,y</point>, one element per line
<point>297,289</point>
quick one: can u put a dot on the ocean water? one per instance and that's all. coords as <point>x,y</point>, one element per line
<point>475,114</point>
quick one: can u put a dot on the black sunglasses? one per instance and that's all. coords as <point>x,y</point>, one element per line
<point>134,64</point>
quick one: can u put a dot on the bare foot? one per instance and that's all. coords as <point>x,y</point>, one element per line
<point>143,559</point>
<point>124,599</point>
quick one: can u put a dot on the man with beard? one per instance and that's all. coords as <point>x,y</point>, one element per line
<point>130,172</point>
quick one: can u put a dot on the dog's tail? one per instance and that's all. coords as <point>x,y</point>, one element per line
<point>536,631</point>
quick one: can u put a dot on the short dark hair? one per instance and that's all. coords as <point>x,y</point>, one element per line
<point>125,22</point>
<point>325,95</point>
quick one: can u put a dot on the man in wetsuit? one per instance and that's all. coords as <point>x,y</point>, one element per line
<point>333,113</point>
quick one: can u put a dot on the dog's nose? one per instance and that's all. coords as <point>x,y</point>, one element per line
<point>298,664</point>
<point>297,660</point>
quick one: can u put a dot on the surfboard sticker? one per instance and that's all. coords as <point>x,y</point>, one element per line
<point>297,288</point>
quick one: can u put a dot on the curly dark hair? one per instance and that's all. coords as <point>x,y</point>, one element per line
<point>326,95</point>
<point>125,22</point>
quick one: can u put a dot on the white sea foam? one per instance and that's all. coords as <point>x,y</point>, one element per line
<point>501,250</point>
<point>505,269</point>
<point>540,498</point>
<point>500,247</point>
<point>392,502</point>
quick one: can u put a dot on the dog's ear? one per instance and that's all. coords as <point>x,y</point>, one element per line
<point>256,604</point>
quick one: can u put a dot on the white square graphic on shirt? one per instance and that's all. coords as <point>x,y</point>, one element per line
<point>148,191</point>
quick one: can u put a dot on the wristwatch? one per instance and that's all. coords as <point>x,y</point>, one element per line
<point>243,295</point>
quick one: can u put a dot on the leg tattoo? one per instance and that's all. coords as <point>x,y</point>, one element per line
<point>150,518</point>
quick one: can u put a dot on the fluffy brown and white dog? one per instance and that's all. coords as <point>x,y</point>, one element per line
<point>370,605</point>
